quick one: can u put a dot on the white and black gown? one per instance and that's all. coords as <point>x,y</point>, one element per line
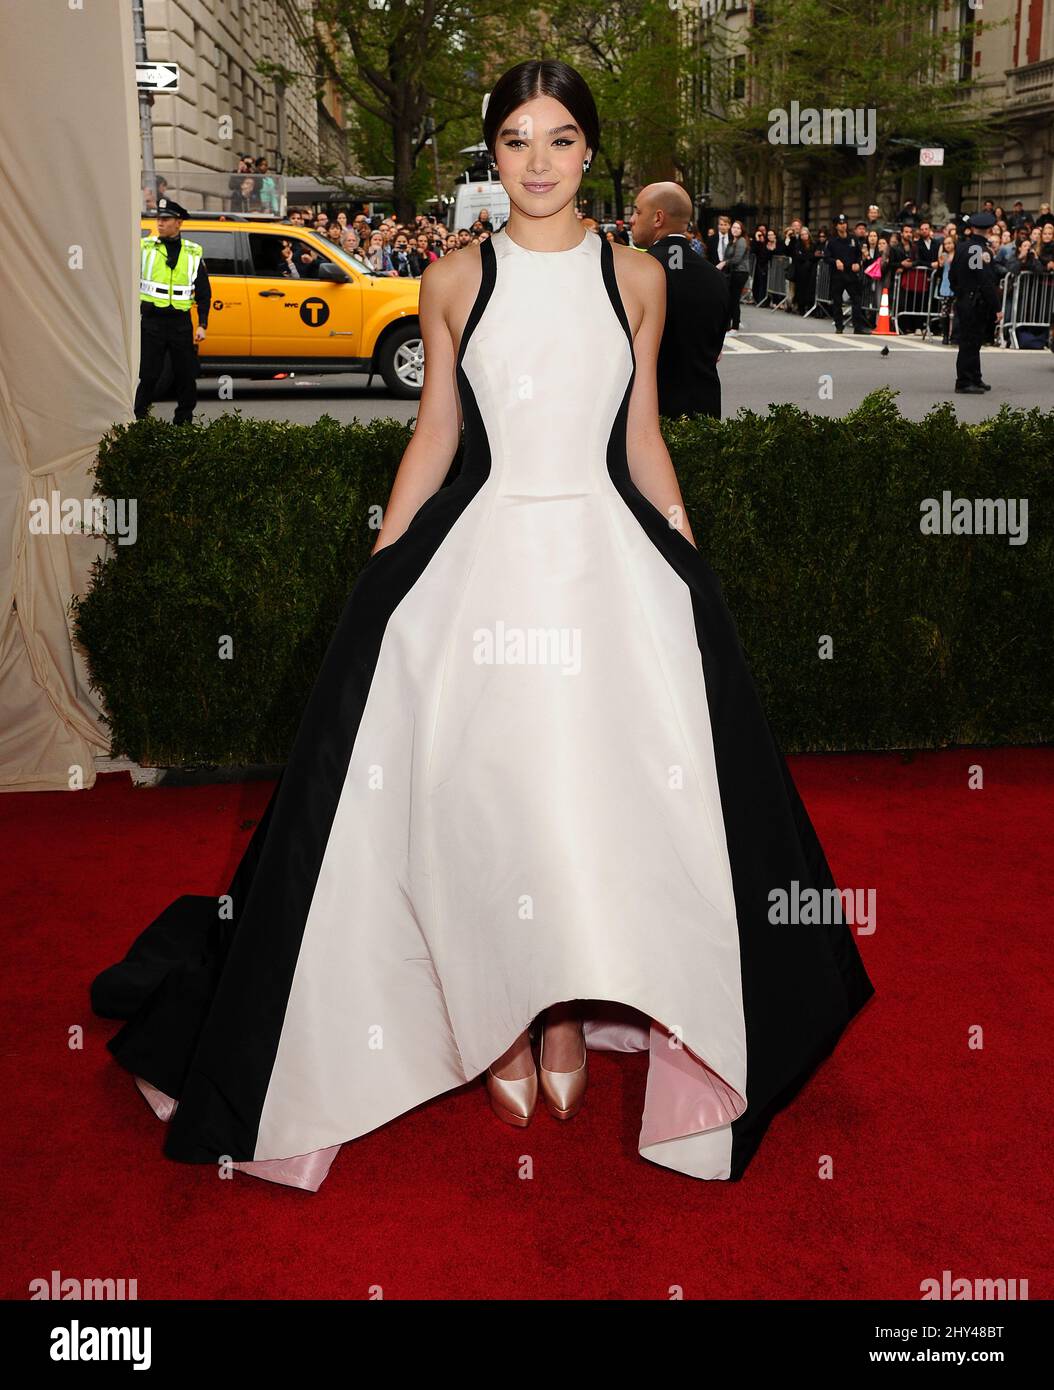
<point>533,768</point>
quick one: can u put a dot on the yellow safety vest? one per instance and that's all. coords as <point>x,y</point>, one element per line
<point>168,287</point>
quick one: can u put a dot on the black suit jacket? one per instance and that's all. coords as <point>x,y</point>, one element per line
<point>698,310</point>
<point>710,244</point>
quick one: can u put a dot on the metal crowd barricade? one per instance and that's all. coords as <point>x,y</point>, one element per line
<point>871,295</point>
<point>1031,303</point>
<point>949,318</point>
<point>1002,330</point>
<point>944,305</point>
<point>760,303</point>
<point>776,281</point>
<point>914,297</point>
<point>748,288</point>
<point>822,300</point>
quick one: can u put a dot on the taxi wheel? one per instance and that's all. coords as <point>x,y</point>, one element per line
<point>401,362</point>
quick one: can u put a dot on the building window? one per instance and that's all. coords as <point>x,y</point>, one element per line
<point>966,40</point>
<point>1035,31</point>
<point>739,76</point>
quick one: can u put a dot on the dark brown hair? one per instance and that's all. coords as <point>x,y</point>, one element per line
<point>548,78</point>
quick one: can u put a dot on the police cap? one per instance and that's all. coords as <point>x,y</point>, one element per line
<point>981,221</point>
<point>168,207</point>
<point>841,218</point>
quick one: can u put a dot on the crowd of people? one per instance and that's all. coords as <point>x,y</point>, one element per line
<point>401,248</point>
<point>253,187</point>
<point>1018,242</point>
<point>882,249</point>
<point>392,247</point>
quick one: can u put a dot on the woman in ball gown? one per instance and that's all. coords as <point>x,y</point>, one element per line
<point>533,798</point>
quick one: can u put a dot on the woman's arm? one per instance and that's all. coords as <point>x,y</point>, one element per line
<point>649,460</point>
<point>429,454</point>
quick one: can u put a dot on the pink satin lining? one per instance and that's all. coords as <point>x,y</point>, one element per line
<point>307,1171</point>
<point>682,1096</point>
<point>615,1028</point>
<point>164,1107</point>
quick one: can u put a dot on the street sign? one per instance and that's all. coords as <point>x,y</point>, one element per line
<point>157,77</point>
<point>931,157</point>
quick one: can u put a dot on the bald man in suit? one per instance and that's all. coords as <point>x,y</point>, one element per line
<point>698,303</point>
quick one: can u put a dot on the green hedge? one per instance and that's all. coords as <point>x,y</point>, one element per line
<point>257,530</point>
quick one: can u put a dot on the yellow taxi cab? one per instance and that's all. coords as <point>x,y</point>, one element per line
<point>285,299</point>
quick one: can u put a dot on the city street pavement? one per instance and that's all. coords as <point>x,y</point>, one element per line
<point>776,358</point>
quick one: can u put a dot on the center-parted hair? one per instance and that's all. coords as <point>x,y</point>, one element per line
<point>549,78</point>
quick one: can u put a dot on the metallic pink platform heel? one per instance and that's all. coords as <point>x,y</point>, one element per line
<point>513,1101</point>
<point>564,1091</point>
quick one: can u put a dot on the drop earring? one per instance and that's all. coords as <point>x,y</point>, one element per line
<point>585,165</point>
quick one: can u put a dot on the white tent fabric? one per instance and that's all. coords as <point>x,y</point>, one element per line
<point>69,351</point>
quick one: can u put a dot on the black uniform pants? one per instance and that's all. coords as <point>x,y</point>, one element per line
<point>972,315</point>
<point>169,333</point>
<point>850,282</point>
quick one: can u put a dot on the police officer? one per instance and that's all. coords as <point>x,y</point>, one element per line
<point>172,275</point>
<point>972,277</point>
<point>842,253</point>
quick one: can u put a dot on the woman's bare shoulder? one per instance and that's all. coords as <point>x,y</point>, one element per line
<point>454,271</point>
<point>641,281</point>
<point>448,290</point>
<point>637,268</point>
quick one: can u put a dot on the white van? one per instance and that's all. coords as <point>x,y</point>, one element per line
<point>472,194</point>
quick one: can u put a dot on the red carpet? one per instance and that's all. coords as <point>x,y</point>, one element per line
<point>940,1153</point>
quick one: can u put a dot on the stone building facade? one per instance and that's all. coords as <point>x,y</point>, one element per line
<point>1013,64</point>
<point>1006,63</point>
<point>225,107</point>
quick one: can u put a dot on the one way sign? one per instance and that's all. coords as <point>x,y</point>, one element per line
<point>157,77</point>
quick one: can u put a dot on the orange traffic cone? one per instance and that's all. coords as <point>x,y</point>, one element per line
<point>884,326</point>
